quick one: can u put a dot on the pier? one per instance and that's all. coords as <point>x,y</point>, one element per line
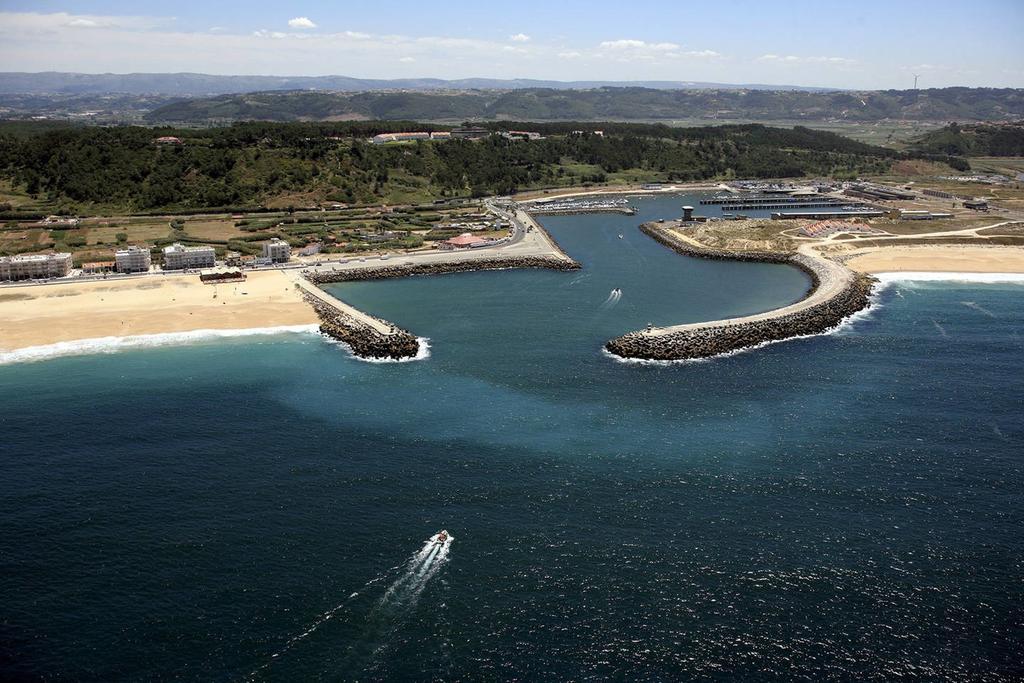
<point>740,203</point>
<point>367,336</point>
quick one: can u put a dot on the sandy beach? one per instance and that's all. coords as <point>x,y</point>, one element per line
<point>952,259</point>
<point>48,314</point>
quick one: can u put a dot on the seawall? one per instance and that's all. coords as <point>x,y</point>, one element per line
<point>405,270</point>
<point>836,293</point>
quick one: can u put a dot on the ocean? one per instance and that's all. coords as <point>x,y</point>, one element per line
<point>843,506</point>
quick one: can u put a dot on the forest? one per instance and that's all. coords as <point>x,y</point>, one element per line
<point>603,104</point>
<point>252,165</point>
<point>986,140</point>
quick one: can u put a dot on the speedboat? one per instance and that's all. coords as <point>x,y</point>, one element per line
<point>442,536</point>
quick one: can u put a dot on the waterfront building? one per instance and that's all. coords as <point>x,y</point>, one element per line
<point>464,241</point>
<point>178,257</point>
<point>34,266</point>
<point>277,250</point>
<point>132,260</point>
<point>97,267</point>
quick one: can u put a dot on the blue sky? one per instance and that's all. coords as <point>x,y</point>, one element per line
<point>867,44</point>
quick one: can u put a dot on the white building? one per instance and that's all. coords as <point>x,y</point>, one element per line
<point>178,257</point>
<point>132,260</point>
<point>277,250</point>
<point>34,266</point>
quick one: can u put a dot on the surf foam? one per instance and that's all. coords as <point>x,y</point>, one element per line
<point>105,345</point>
<point>422,353</point>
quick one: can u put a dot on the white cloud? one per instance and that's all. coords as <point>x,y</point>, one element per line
<point>263,33</point>
<point>519,38</point>
<point>301,23</point>
<point>82,22</point>
<point>629,45</point>
<point>62,41</point>
<point>793,59</point>
<point>703,54</point>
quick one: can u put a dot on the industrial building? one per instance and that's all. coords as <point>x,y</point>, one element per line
<point>34,266</point>
<point>179,257</point>
<point>132,260</point>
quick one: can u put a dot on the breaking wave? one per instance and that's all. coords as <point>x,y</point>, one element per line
<point>422,354</point>
<point>104,345</point>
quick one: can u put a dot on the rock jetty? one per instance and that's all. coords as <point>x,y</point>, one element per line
<point>320,277</point>
<point>364,339</point>
<point>835,294</point>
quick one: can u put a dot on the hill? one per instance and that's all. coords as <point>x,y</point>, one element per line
<point>200,85</point>
<point>90,169</point>
<point>986,140</point>
<point>628,104</point>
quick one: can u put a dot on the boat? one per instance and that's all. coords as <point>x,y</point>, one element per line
<point>441,537</point>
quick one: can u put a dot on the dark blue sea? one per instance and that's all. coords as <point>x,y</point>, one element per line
<point>840,507</point>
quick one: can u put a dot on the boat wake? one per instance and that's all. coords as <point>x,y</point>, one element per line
<point>613,298</point>
<point>400,596</point>
<point>406,589</point>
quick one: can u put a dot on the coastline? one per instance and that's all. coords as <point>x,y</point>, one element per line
<point>64,318</point>
<point>55,313</point>
<point>113,344</point>
<point>838,293</point>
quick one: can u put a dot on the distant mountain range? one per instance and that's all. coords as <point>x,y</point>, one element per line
<point>602,104</point>
<point>204,85</point>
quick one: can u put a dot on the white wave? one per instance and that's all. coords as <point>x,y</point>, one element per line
<point>918,276</point>
<point>104,345</point>
<point>422,353</point>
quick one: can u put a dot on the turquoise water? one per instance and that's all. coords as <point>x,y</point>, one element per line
<point>842,506</point>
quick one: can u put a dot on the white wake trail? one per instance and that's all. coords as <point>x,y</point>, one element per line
<point>320,621</point>
<point>978,307</point>
<point>420,569</point>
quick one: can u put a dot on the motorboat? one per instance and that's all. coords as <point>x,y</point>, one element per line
<point>441,537</point>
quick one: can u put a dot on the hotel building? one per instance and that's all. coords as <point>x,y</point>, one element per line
<point>34,266</point>
<point>277,250</point>
<point>179,257</point>
<point>132,260</point>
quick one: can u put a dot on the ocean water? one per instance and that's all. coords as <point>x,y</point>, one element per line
<point>845,506</point>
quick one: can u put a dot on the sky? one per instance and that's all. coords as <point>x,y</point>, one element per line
<point>865,44</point>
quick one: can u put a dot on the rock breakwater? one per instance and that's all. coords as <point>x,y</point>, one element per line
<point>320,277</point>
<point>836,294</point>
<point>365,340</point>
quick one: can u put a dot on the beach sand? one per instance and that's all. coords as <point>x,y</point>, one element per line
<point>953,259</point>
<point>47,314</point>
